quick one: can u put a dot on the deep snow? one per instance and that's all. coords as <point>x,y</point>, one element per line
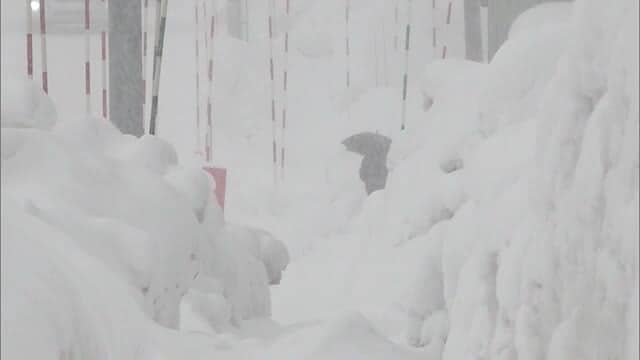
<point>508,228</point>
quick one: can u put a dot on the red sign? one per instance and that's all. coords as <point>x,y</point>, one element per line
<point>220,177</point>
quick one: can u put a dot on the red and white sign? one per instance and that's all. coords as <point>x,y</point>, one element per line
<point>220,177</point>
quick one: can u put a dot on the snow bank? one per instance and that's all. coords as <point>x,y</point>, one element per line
<point>94,219</point>
<point>539,258</point>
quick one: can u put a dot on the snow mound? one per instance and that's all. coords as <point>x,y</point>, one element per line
<point>540,245</point>
<point>539,16</point>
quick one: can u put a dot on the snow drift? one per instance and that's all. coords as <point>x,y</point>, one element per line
<point>539,258</point>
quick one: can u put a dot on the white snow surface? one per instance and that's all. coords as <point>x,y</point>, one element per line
<point>508,228</point>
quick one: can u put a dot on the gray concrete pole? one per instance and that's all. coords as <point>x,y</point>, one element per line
<point>125,66</point>
<point>473,30</point>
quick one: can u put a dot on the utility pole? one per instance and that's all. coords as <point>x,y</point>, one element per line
<point>473,30</point>
<point>125,66</point>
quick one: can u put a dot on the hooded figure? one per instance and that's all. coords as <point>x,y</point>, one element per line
<point>374,149</point>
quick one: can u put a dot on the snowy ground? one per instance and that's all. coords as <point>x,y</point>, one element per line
<point>508,227</point>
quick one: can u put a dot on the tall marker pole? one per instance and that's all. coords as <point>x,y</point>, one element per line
<point>103,56</point>
<point>448,23</point>
<point>43,46</point>
<point>405,78</point>
<point>209,140</point>
<point>87,56</point>
<point>273,95</point>
<point>396,19</point>
<point>434,31</point>
<point>347,11</point>
<point>285,80</point>
<point>197,45</point>
<point>161,23</point>
<point>29,41</point>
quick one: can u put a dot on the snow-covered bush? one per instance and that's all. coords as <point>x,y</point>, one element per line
<point>243,262</point>
<point>102,236</point>
<point>540,257</point>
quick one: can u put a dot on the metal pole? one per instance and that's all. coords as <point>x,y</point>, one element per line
<point>273,94</point>
<point>396,17</point>
<point>29,41</point>
<point>43,47</point>
<point>161,20</point>
<point>103,55</point>
<point>347,43</point>
<point>125,66</point>
<point>87,56</point>
<point>434,33</point>
<point>285,79</point>
<point>146,14</point>
<point>197,68</point>
<point>473,30</point>
<point>447,24</point>
<point>405,78</point>
<point>209,139</point>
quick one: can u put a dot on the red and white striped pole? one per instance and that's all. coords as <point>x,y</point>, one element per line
<point>197,44</point>
<point>285,80</point>
<point>146,14</point>
<point>396,20</point>
<point>405,78</point>
<point>209,140</point>
<point>87,56</point>
<point>206,51</point>
<point>434,33</point>
<point>29,41</point>
<point>347,12</point>
<point>448,23</point>
<point>103,59</point>
<point>43,47</point>
<point>161,25</point>
<point>273,94</point>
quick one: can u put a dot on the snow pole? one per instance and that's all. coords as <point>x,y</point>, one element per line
<point>29,41</point>
<point>87,56</point>
<point>347,42</point>
<point>245,20</point>
<point>285,80</point>
<point>197,72</point>
<point>396,19</point>
<point>273,94</point>
<point>376,57</point>
<point>205,16</point>
<point>209,133</point>
<point>434,31</point>
<point>146,14</point>
<point>103,56</point>
<point>43,47</point>
<point>448,23</point>
<point>384,54</point>
<point>161,22</point>
<point>405,78</point>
